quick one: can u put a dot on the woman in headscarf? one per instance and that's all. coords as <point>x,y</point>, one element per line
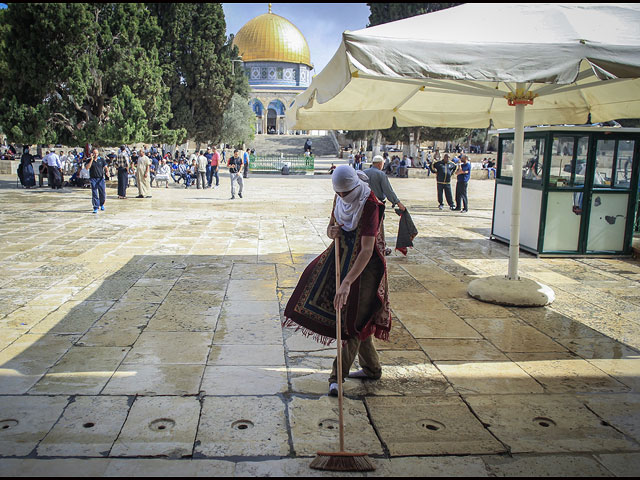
<point>25,170</point>
<point>363,293</point>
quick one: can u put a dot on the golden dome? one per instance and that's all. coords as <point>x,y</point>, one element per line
<point>270,37</point>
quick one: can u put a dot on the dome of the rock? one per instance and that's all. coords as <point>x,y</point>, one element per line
<point>270,37</point>
<point>277,63</point>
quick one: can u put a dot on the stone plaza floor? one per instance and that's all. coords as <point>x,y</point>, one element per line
<point>146,340</point>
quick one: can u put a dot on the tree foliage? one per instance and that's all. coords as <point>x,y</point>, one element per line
<point>390,12</point>
<point>196,60</point>
<point>238,122</point>
<point>83,73</point>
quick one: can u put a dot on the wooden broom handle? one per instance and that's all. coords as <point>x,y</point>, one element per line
<point>336,244</point>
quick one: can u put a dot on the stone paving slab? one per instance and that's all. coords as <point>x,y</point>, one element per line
<point>88,428</point>
<point>547,424</point>
<point>621,464</point>
<point>563,373</point>
<point>244,380</point>
<point>159,379</point>
<point>314,426</point>
<point>25,421</point>
<point>82,370</point>
<point>546,466</point>
<point>430,425</point>
<point>246,426</point>
<point>620,411</point>
<point>159,426</point>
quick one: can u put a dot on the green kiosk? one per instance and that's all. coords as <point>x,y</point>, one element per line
<point>579,190</point>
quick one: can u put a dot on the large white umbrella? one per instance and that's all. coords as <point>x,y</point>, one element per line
<point>467,65</point>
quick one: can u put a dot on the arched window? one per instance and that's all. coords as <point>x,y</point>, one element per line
<point>257,107</point>
<point>278,106</point>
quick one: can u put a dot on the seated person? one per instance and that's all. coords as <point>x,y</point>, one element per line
<point>132,174</point>
<point>395,163</point>
<point>163,174</point>
<point>387,166</point>
<point>182,171</point>
<point>152,173</point>
<point>357,164</point>
<point>73,179</point>
<point>191,173</point>
<point>402,168</point>
<point>174,171</point>
<point>491,167</point>
<point>80,178</point>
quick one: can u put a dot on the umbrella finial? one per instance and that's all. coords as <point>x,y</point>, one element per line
<point>269,8</point>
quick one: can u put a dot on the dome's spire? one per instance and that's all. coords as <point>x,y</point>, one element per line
<point>269,8</point>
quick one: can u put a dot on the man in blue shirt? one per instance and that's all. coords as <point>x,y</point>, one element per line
<point>245,161</point>
<point>463,173</point>
<point>209,156</point>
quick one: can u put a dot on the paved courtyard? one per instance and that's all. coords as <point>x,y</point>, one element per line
<point>146,340</point>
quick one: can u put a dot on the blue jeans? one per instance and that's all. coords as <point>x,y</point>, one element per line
<point>214,173</point>
<point>98,192</point>
<point>209,175</point>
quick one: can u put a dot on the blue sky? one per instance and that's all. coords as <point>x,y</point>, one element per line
<point>321,24</point>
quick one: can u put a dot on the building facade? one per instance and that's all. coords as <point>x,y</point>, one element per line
<point>277,63</point>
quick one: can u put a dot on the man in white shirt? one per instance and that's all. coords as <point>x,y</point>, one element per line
<point>163,174</point>
<point>201,171</point>
<point>66,162</point>
<point>83,176</point>
<point>54,170</point>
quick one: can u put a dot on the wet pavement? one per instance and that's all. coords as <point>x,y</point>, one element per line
<point>146,340</point>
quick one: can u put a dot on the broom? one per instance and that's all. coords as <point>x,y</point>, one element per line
<point>341,461</point>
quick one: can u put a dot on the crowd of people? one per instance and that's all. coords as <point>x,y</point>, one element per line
<point>91,169</point>
<point>444,168</point>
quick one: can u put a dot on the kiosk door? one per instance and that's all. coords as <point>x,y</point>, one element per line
<point>610,181</point>
<point>566,194</point>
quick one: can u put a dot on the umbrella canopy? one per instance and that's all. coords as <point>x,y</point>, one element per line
<point>468,65</point>
<point>455,67</point>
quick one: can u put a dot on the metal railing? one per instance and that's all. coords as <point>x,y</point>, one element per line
<point>274,163</point>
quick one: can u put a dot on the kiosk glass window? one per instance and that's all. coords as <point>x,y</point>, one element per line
<point>604,163</point>
<point>624,162</point>
<point>506,164</point>
<point>532,162</point>
<point>580,164</point>
<point>561,161</point>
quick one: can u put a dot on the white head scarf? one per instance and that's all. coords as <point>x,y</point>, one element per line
<point>348,210</point>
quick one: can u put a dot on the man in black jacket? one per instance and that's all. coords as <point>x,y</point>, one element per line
<point>444,169</point>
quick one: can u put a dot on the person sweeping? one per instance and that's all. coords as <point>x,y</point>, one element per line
<point>361,298</point>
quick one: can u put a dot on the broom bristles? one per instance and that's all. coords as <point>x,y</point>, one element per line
<point>343,462</point>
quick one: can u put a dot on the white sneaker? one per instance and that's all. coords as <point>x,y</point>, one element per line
<point>333,389</point>
<point>358,374</point>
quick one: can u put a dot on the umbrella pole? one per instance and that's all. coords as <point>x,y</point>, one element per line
<point>511,289</point>
<point>516,190</point>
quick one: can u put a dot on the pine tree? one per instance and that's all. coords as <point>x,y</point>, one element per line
<point>196,60</point>
<point>82,73</point>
